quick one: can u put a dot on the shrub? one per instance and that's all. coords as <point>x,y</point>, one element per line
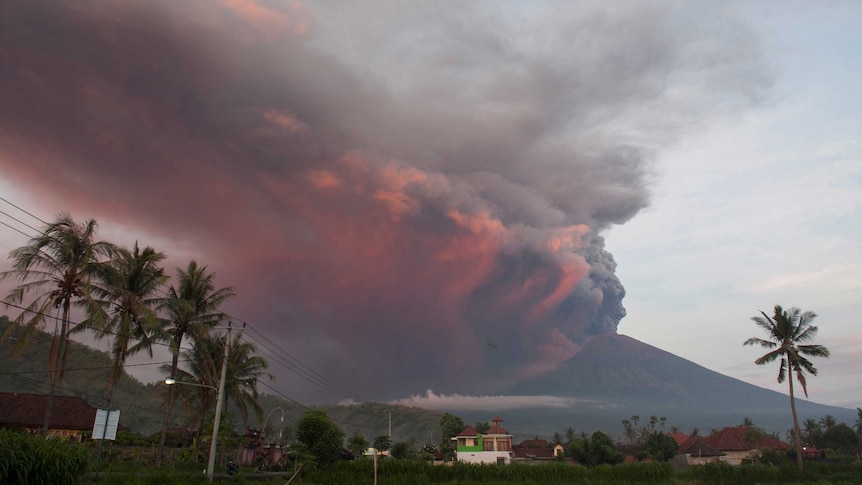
<point>32,460</point>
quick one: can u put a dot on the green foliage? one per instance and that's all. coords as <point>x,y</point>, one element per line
<point>402,450</point>
<point>409,472</point>
<point>660,446</point>
<point>427,452</point>
<point>32,460</point>
<point>450,425</point>
<point>598,449</point>
<point>840,438</point>
<point>772,458</point>
<point>382,442</point>
<point>482,426</point>
<point>322,437</point>
<point>357,444</point>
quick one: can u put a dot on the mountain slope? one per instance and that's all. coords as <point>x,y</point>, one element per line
<point>623,375</point>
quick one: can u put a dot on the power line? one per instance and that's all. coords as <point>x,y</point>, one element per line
<point>90,368</point>
<point>74,392</point>
<point>81,324</point>
<point>19,221</point>
<point>24,211</point>
<point>15,229</point>
<point>275,352</point>
<point>296,366</point>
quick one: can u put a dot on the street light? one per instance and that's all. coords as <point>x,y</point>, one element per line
<point>219,401</point>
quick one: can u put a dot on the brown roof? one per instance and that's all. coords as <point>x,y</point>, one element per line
<point>532,444</point>
<point>28,410</point>
<point>468,431</point>
<point>698,446</point>
<point>734,439</point>
<point>497,428</point>
<point>534,453</point>
<point>679,437</point>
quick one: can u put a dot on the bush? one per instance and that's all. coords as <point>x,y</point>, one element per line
<point>32,460</point>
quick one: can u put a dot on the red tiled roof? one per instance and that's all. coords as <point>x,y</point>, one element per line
<point>679,437</point>
<point>468,431</point>
<point>497,429</point>
<point>28,410</point>
<point>734,439</point>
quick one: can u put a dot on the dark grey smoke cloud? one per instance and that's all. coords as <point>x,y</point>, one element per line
<point>405,195</point>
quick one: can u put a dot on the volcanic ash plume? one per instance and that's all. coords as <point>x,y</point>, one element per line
<point>417,190</point>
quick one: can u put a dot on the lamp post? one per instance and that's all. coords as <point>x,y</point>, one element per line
<point>219,403</point>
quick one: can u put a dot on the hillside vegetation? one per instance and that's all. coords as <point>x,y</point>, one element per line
<point>88,369</point>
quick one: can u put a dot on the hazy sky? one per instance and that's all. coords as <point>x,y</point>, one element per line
<point>455,196</point>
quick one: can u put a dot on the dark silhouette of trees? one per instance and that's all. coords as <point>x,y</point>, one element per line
<point>320,436</point>
<point>61,265</point>
<point>124,306</point>
<point>382,442</point>
<point>357,444</point>
<point>192,309</point>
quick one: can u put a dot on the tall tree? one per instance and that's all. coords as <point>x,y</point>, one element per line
<point>450,425</point>
<point>788,332</point>
<point>320,436</point>
<point>357,444</point>
<point>382,442</point>
<point>858,424</point>
<point>204,361</point>
<point>124,306</point>
<point>60,265</point>
<point>828,422</point>
<point>192,308</point>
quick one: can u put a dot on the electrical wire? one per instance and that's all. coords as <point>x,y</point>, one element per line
<point>278,354</point>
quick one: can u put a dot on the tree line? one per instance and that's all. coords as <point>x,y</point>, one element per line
<point>125,297</point>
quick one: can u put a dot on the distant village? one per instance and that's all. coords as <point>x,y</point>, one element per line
<point>483,443</point>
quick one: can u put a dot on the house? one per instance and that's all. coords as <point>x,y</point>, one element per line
<point>537,450</point>
<point>495,446</point>
<point>698,452</point>
<point>731,445</point>
<point>71,416</point>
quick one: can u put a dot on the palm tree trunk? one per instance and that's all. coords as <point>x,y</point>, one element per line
<point>175,359</point>
<point>59,354</point>
<point>115,374</point>
<point>52,382</point>
<point>795,424</point>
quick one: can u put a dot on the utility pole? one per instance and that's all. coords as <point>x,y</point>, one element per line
<point>219,404</point>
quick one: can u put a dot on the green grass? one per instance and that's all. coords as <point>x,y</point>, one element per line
<point>35,461</point>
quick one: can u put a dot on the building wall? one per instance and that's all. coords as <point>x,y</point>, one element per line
<point>483,456</point>
<point>700,460</point>
<point>736,457</point>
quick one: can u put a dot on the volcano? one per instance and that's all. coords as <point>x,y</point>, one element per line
<point>615,377</point>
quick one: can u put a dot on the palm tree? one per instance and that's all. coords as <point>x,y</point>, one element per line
<point>357,444</point>
<point>204,362</point>
<point>61,264</point>
<point>828,422</point>
<point>787,331</point>
<point>124,308</point>
<point>192,308</point>
<point>858,424</point>
<point>811,428</point>
<point>243,372</point>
